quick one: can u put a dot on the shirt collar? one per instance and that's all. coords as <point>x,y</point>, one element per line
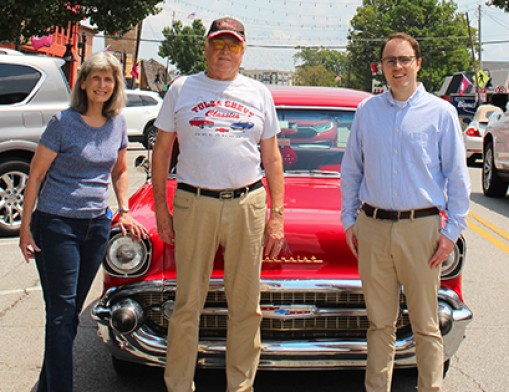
<point>418,93</point>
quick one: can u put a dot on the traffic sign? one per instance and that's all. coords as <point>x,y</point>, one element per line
<point>482,78</point>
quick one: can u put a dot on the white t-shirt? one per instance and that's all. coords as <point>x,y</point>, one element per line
<point>219,125</point>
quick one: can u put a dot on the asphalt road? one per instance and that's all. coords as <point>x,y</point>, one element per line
<point>479,365</point>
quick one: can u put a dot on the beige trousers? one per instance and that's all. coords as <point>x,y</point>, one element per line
<point>202,225</point>
<point>393,254</point>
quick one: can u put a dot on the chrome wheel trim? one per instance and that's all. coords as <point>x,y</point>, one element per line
<point>12,188</point>
<point>487,168</point>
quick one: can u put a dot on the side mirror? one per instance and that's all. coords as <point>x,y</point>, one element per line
<point>141,163</point>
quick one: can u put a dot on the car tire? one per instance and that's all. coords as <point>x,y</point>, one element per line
<point>412,371</point>
<point>13,179</point>
<point>492,184</point>
<point>446,366</point>
<point>125,368</point>
<point>149,136</point>
<point>471,160</point>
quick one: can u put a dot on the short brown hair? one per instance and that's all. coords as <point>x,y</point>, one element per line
<point>405,37</point>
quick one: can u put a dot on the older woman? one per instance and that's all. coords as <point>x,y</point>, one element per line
<point>80,150</point>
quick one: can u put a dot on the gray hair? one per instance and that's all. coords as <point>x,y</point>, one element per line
<point>100,61</point>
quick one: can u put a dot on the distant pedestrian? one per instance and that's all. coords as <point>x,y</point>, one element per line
<point>69,230</point>
<point>404,163</point>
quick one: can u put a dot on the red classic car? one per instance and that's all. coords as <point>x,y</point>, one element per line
<point>201,122</point>
<point>314,315</point>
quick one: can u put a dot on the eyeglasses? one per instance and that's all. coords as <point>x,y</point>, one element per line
<point>233,47</point>
<point>403,60</point>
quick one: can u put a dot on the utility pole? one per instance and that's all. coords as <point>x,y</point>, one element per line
<point>478,94</point>
<point>480,37</point>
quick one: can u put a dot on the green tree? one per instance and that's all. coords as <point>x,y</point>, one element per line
<point>503,4</point>
<point>19,20</point>
<point>441,32</point>
<point>333,63</point>
<point>184,46</point>
<point>315,75</point>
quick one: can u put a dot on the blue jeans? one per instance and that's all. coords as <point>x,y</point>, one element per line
<point>71,252</point>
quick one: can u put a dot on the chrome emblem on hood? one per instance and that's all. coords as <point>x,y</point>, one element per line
<point>288,311</point>
<point>293,260</point>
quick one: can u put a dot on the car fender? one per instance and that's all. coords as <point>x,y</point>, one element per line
<point>13,145</point>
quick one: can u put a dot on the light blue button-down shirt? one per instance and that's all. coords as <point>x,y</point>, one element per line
<point>403,156</point>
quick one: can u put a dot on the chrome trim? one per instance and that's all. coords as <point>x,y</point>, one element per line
<point>314,314</point>
<point>129,307</point>
<point>110,269</point>
<point>311,108</point>
<point>460,263</point>
<point>144,346</point>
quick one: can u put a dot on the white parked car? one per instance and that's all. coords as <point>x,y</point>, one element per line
<point>495,176</point>
<point>474,132</point>
<point>141,110</point>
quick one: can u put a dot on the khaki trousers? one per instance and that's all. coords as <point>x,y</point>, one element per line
<point>202,224</point>
<point>393,254</point>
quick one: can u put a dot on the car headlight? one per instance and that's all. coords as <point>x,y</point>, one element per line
<point>127,258</point>
<point>454,263</point>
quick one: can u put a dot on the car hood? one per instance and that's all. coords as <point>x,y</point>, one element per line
<point>314,236</point>
<point>315,239</point>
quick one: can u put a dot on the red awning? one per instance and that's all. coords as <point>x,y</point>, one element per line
<point>55,50</point>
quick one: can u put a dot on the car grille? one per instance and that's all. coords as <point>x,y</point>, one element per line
<point>323,326</point>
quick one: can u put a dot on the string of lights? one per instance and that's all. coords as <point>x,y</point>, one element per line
<point>282,27</point>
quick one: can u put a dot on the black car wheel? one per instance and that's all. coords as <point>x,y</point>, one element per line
<point>149,136</point>
<point>471,160</point>
<point>492,184</point>
<point>447,364</point>
<point>413,370</point>
<point>13,179</point>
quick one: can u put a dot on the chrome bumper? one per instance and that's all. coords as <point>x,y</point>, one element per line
<point>145,347</point>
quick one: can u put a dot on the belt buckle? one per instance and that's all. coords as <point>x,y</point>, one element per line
<point>226,195</point>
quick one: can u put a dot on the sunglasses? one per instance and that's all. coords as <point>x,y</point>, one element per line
<point>233,47</point>
<point>403,60</point>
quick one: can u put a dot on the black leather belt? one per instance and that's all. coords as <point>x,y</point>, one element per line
<point>392,215</point>
<point>221,194</point>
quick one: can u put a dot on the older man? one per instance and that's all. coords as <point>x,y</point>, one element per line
<point>220,201</point>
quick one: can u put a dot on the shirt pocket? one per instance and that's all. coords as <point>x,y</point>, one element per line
<point>421,147</point>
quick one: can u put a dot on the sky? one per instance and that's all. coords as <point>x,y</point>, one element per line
<point>289,23</point>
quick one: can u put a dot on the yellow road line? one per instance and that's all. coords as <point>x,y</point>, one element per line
<point>489,237</point>
<point>490,226</point>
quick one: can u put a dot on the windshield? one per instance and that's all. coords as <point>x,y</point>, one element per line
<point>313,140</point>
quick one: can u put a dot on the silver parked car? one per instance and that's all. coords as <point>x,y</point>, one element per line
<point>495,178</point>
<point>141,110</point>
<point>32,90</point>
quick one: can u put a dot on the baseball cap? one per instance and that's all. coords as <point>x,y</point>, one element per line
<point>227,25</point>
